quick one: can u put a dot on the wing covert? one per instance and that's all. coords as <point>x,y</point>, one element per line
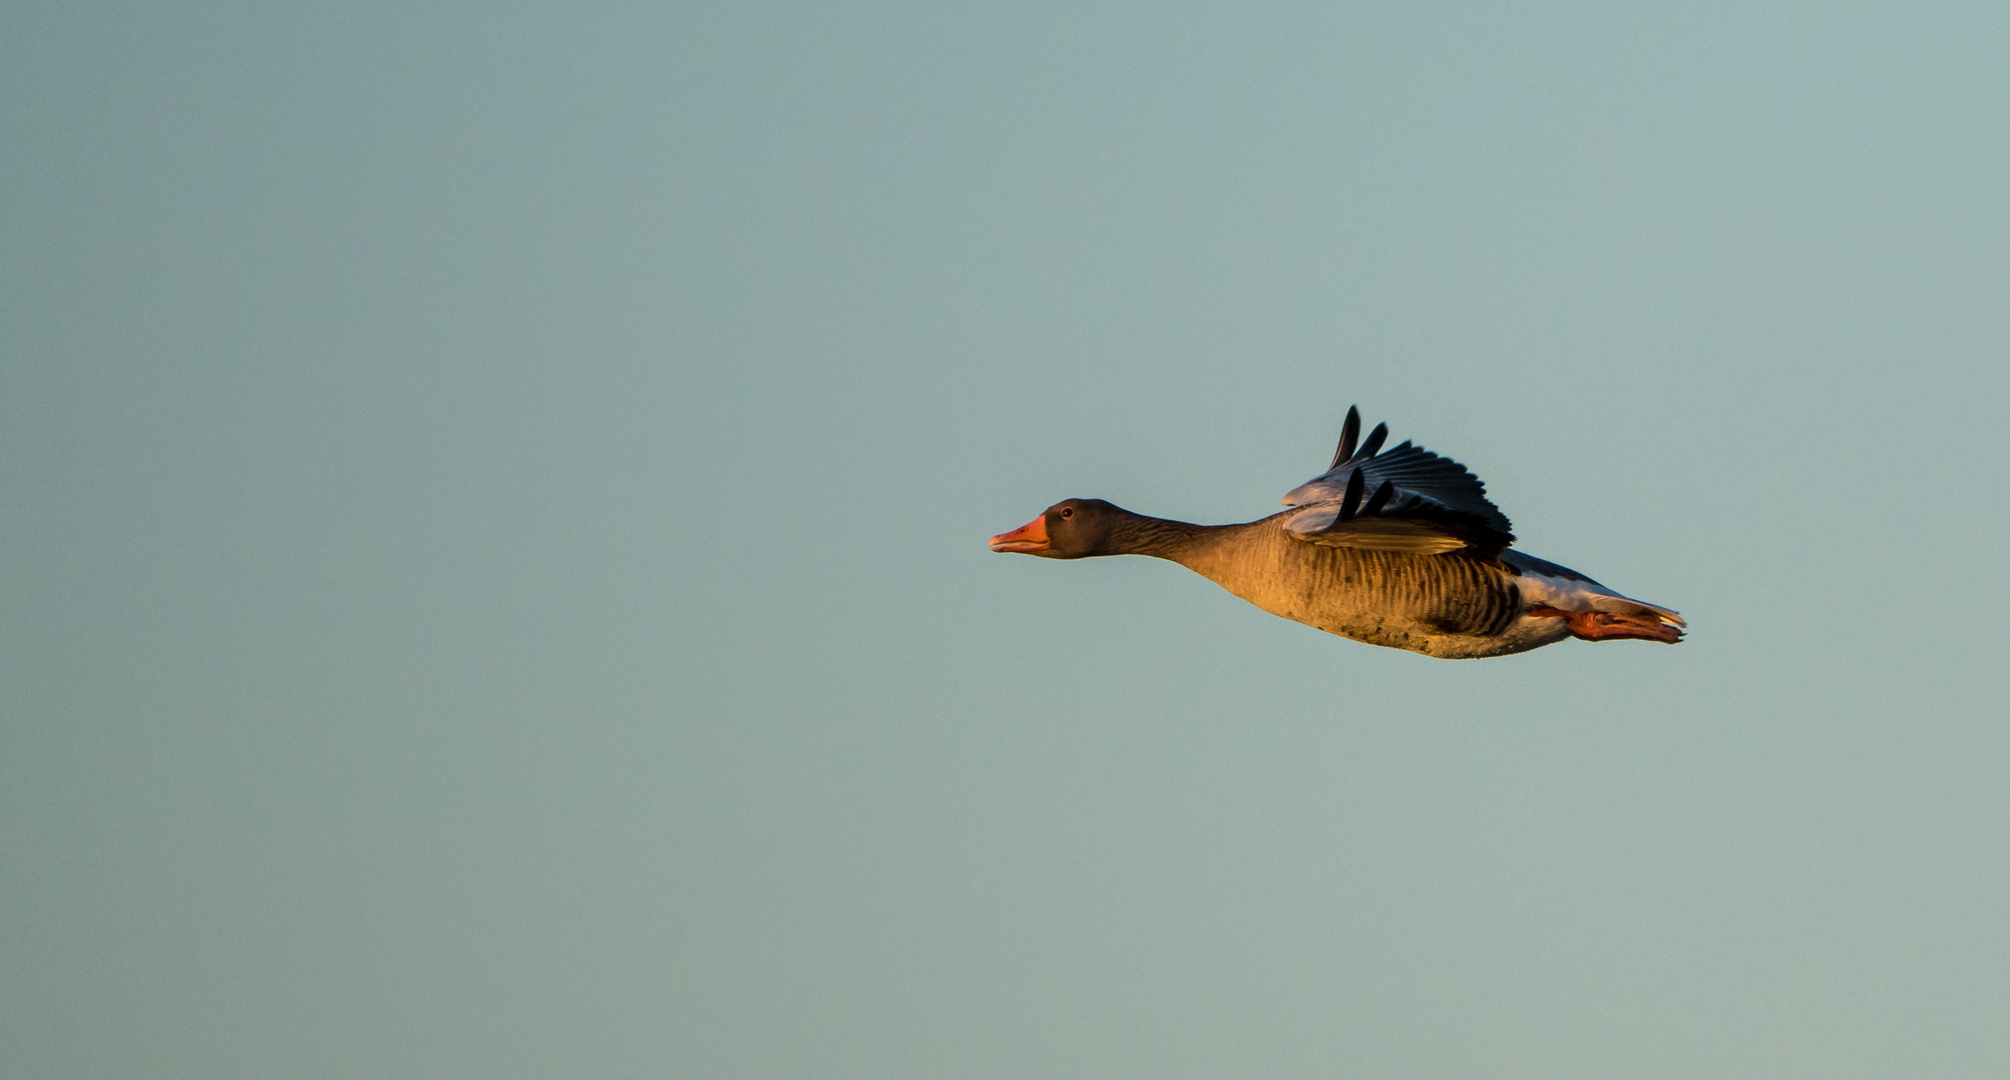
<point>1421,502</point>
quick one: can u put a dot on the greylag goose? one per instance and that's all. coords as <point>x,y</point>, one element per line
<point>1401,549</point>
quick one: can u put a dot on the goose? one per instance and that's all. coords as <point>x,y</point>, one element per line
<point>1399,548</point>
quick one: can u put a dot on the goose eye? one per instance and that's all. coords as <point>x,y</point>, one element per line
<point>1067,511</point>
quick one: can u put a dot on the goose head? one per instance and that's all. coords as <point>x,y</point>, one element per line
<point>1071,529</point>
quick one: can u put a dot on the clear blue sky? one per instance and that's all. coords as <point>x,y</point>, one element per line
<point>493,581</point>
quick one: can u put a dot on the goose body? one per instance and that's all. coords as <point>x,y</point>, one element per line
<point>1422,563</point>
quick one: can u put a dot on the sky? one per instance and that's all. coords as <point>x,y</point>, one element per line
<point>494,579</point>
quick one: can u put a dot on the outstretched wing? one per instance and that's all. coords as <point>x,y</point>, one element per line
<point>1407,499</point>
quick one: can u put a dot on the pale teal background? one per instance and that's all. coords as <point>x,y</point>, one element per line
<point>493,574</point>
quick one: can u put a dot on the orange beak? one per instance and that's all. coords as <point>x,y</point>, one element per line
<point>1030,538</point>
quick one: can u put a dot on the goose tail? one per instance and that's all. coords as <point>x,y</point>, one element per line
<point>1591,611</point>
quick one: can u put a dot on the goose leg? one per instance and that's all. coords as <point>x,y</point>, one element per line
<point>1611,626</point>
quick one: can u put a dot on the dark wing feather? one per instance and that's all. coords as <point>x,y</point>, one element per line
<point>1442,505</point>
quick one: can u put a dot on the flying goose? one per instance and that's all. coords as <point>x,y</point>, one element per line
<point>1398,548</point>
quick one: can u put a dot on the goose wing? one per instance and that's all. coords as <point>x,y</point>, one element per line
<point>1407,499</point>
